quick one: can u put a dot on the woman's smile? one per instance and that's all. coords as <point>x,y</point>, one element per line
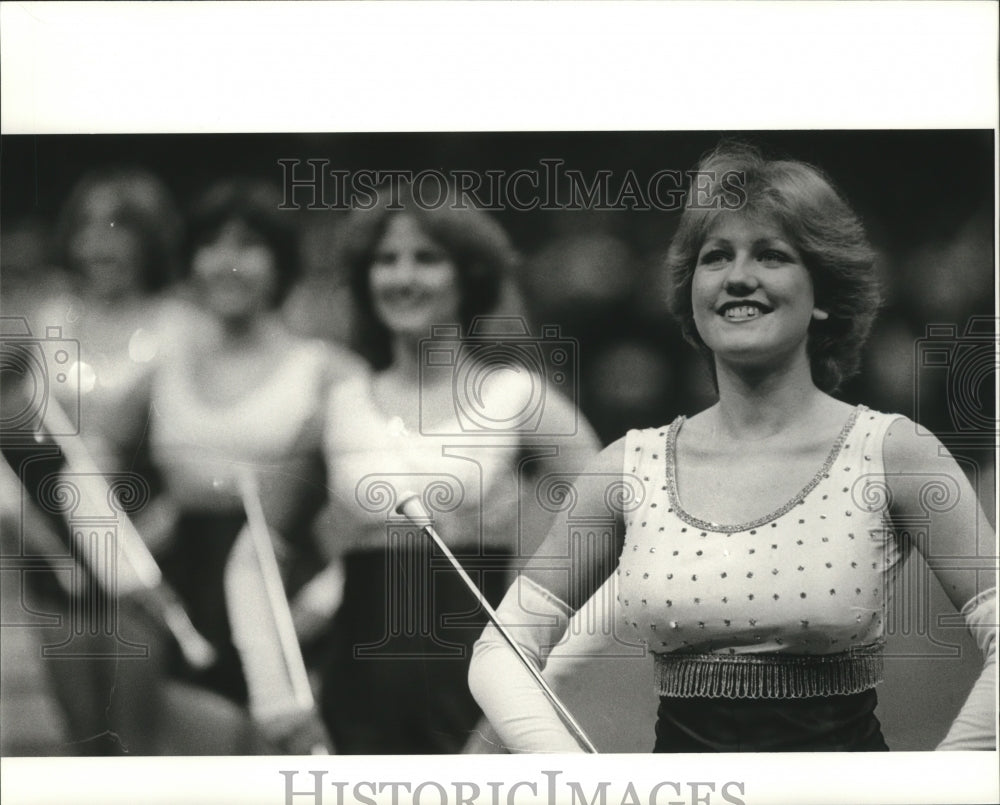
<point>752,295</point>
<point>414,283</point>
<point>743,311</point>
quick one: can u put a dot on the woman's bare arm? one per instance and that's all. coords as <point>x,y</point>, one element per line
<point>926,484</point>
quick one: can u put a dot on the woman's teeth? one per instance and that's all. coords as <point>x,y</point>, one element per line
<point>742,312</point>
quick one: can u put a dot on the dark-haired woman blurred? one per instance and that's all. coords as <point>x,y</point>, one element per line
<point>472,435</point>
<point>239,392</point>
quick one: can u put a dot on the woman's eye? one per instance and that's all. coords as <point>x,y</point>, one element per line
<point>382,258</point>
<point>429,257</point>
<point>712,256</point>
<point>774,256</point>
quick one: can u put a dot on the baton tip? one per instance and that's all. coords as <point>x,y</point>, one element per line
<point>405,500</point>
<point>199,654</point>
<point>411,507</point>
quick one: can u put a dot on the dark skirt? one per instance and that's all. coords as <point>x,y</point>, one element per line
<point>844,723</point>
<point>395,679</point>
<point>194,565</point>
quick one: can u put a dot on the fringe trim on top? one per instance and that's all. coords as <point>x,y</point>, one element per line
<point>769,676</point>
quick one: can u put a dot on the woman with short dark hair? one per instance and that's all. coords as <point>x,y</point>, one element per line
<point>240,392</point>
<point>827,233</point>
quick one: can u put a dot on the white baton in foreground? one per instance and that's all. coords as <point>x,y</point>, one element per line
<point>140,570</point>
<point>411,508</point>
<point>260,537</point>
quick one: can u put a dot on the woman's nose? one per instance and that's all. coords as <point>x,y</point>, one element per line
<point>740,278</point>
<point>403,269</point>
<point>222,260</point>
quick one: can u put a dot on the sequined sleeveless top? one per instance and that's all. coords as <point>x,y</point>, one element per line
<point>788,605</point>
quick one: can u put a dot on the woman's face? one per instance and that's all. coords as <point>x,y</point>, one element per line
<point>413,280</point>
<point>751,294</point>
<point>236,271</point>
<point>106,251</point>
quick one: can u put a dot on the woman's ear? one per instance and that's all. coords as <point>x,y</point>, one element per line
<point>820,315</point>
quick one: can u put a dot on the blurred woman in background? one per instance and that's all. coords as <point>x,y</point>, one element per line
<point>453,412</point>
<point>116,244</point>
<point>239,393</point>
<point>230,392</point>
<point>119,240</point>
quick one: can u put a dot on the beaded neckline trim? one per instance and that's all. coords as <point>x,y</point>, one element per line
<point>670,459</point>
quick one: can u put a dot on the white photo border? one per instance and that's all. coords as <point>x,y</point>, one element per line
<point>399,66</point>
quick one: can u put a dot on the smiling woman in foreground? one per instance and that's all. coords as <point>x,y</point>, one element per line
<point>757,541</point>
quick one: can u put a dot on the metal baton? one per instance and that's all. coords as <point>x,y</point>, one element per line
<point>411,508</point>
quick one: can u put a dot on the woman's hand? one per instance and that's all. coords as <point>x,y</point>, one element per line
<point>315,604</point>
<point>299,732</point>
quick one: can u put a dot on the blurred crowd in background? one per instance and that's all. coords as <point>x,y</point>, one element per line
<point>926,198</point>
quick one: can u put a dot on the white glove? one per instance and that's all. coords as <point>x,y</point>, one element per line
<point>510,697</point>
<point>975,725</point>
<point>255,635</point>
